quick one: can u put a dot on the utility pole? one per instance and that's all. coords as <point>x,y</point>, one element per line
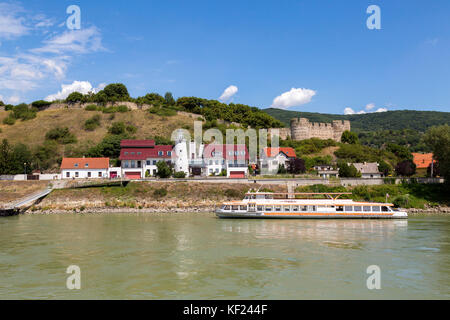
<point>432,160</point>
<point>25,170</point>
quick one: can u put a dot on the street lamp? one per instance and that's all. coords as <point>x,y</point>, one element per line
<point>25,168</point>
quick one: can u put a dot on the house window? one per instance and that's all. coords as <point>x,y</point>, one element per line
<point>210,162</point>
<point>125,163</point>
<point>67,174</point>
<point>169,153</point>
<point>217,162</point>
<point>76,165</point>
<point>139,153</point>
<point>89,174</point>
<point>126,153</point>
<point>160,153</point>
<point>99,174</point>
<point>76,174</point>
<point>87,165</point>
<point>132,153</point>
<point>148,162</point>
<point>154,162</point>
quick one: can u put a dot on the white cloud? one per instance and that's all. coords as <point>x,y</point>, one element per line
<point>78,86</point>
<point>73,41</point>
<point>292,98</point>
<point>14,99</point>
<point>370,106</point>
<point>11,25</point>
<point>228,93</point>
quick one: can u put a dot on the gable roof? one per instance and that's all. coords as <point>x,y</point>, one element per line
<point>145,153</point>
<point>137,143</point>
<point>422,160</point>
<point>85,163</point>
<point>273,152</point>
<point>366,167</point>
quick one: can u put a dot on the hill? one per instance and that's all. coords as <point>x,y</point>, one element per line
<point>390,120</point>
<point>402,127</point>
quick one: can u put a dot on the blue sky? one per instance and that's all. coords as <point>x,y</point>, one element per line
<point>305,55</point>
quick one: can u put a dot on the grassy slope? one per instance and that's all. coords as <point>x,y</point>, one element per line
<point>391,120</point>
<point>32,132</point>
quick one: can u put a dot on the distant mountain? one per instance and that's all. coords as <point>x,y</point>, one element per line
<point>369,122</point>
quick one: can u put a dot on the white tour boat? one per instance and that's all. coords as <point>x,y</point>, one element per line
<point>291,205</point>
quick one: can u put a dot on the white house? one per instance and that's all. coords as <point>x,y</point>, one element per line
<point>231,158</point>
<point>326,171</point>
<point>84,168</point>
<point>368,169</point>
<point>271,158</point>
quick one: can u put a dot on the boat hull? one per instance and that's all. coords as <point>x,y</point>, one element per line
<point>262,215</point>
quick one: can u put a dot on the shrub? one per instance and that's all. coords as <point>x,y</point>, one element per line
<point>232,193</point>
<point>61,135</point>
<point>92,123</point>
<point>117,128</point>
<point>164,170</point>
<point>23,112</point>
<point>131,129</point>
<point>405,168</point>
<point>160,193</point>
<point>179,175</point>
<point>75,97</point>
<point>41,104</point>
<point>91,107</point>
<point>9,120</point>
<point>122,108</point>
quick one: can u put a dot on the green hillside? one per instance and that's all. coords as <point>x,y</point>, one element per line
<point>403,127</point>
<point>390,120</point>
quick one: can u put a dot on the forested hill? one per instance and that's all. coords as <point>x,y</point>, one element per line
<point>377,121</point>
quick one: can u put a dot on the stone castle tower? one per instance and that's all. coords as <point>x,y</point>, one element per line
<point>302,129</point>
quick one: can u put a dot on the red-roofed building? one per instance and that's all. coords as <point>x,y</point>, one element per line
<point>84,168</point>
<point>271,159</point>
<point>139,157</point>
<point>422,160</point>
<point>231,158</point>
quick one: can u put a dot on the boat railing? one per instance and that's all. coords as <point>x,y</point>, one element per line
<point>297,195</point>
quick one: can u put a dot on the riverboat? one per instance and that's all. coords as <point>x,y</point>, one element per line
<point>316,205</point>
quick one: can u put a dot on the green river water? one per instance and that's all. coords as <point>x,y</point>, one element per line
<point>197,256</point>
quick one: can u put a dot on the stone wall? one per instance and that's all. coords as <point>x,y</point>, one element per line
<point>283,133</point>
<point>302,129</point>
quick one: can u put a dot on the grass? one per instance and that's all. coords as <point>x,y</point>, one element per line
<point>74,119</point>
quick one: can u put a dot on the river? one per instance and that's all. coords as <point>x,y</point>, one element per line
<point>197,256</point>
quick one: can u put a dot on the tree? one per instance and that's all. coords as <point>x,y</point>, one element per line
<point>5,157</point>
<point>117,128</point>
<point>281,169</point>
<point>405,168</point>
<point>164,171</point>
<point>348,171</point>
<point>385,168</point>
<point>170,101</point>
<point>296,166</point>
<point>349,137</point>
<point>438,138</point>
<point>116,92</point>
<point>61,135</point>
<point>75,97</point>
<point>401,152</point>
<point>1,103</point>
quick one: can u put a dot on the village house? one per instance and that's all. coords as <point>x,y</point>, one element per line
<point>231,158</point>
<point>84,168</point>
<point>272,158</point>
<point>423,161</point>
<point>326,171</point>
<point>139,157</point>
<point>368,169</point>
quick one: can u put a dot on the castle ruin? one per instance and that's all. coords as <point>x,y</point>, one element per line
<point>302,129</point>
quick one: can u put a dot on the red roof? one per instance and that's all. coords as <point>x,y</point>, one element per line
<point>227,151</point>
<point>137,143</point>
<point>85,163</point>
<point>145,153</point>
<point>273,152</point>
<point>422,160</point>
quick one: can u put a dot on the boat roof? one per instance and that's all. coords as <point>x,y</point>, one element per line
<point>294,201</point>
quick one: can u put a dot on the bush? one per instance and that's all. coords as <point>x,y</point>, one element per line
<point>232,193</point>
<point>9,120</point>
<point>117,128</point>
<point>92,123</point>
<point>164,170</point>
<point>61,135</point>
<point>405,168</point>
<point>75,97</point>
<point>160,193</point>
<point>23,112</point>
<point>179,175</point>
<point>91,107</point>
<point>41,104</point>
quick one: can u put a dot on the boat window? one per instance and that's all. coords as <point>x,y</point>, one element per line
<point>294,208</point>
<point>277,208</point>
<point>260,208</point>
<point>227,208</point>
<point>366,208</point>
<point>287,208</point>
<point>384,209</point>
<point>348,208</point>
<point>312,208</point>
<point>268,196</point>
<point>358,208</point>
<point>321,207</point>
<point>304,208</point>
<point>268,208</point>
<point>234,207</point>
<point>246,197</point>
<point>244,208</point>
<point>377,208</point>
<point>340,208</point>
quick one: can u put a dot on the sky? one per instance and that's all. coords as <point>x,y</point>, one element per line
<point>304,55</point>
